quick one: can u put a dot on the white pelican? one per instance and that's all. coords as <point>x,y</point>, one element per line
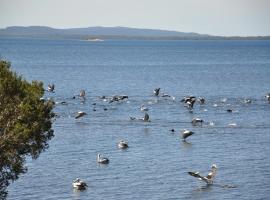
<point>78,184</point>
<point>122,144</point>
<point>102,160</point>
<point>210,176</point>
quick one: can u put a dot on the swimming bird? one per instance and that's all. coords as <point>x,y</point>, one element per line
<point>146,117</point>
<point>143,108</point>
<point>186,133</point>
<point>122,144</point>
<point>190,103</point>
<point>79,184</point>
<point>50,88</point>
<point>187,98</point>
<point>229,110</point>
<point>82,93</point>
<point>80,114</point>
<point>247,101</point>
<point>196,121</point>
<point>210,176</point>
<point>267,97</point>
<point>117,98</point>
<point>201,100</point>
<point>156,91</point>
<point>102,160</point>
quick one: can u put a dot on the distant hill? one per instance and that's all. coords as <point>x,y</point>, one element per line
<point>100,33</point>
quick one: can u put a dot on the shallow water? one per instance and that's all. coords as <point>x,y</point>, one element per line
<point>156,164</point>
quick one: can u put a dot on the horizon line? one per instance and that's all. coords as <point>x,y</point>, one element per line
<point>129,27</point>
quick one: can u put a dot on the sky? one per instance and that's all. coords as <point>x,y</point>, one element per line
<point>215,17</point>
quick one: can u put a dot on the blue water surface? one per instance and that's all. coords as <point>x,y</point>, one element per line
<point>155,166</point>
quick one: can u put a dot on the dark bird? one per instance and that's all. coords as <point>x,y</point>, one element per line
<point>156,91</point>
<point>229,110</point>
<point>102,160</point>
<point>146,117</point>
<point>186,134</point>
<point>210,176</point>
<point>80,114</point>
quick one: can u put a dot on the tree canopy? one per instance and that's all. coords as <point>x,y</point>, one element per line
<point>25,124</point>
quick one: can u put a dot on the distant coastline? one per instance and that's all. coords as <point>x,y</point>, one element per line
<point>111,33</point>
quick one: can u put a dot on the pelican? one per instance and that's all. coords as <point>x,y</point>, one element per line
<point>50,88</point>
<point>190,103</point>
<point>186,133</point>
<point>102,160</point>
<point>143,108</point>
<point>195,121</point>
<point>210,176</point>
<point>122,144</point>
<point>156,91</point>
<point>82,93</point>
<point>201,100</point>
<point>80,185</point>
<point>80,114</point>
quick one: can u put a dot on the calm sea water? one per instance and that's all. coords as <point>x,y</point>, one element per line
<point>156,164</point>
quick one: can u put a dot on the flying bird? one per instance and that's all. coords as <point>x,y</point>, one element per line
<point>209,178</point>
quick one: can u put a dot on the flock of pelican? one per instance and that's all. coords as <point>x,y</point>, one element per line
<point>189,102</point>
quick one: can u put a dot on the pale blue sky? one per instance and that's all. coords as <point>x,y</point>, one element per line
<point>216,17</point>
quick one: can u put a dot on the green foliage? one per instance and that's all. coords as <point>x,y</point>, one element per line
<point>25,124</point>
